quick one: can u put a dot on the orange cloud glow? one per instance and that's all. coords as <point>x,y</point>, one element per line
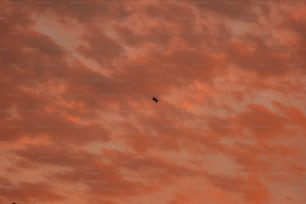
<point>78,124</point>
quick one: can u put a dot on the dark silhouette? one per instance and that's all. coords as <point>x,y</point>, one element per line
<point>155,99</point>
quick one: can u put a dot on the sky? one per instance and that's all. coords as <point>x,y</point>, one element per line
<point>78,124</point>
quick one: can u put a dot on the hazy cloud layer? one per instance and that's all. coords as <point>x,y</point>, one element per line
<point>78,124</point>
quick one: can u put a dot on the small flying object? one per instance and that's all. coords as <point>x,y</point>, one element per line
<point>155,99</point>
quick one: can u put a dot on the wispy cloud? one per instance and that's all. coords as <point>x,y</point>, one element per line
<point>78,124</point>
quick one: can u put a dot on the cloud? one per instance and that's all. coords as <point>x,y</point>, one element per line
<point>30,192</point>
<point>78,124</point>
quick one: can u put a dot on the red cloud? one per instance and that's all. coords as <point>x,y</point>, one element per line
<point>78,124</point>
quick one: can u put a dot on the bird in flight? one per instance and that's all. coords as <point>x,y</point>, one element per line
<point>155,99</point>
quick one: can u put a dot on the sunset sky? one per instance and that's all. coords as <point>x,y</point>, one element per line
<point>78,124</point>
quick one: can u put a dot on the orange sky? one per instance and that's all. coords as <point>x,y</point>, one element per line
<point>78,124</point>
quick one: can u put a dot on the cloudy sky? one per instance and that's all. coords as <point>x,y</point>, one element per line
<point>78,124</point>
